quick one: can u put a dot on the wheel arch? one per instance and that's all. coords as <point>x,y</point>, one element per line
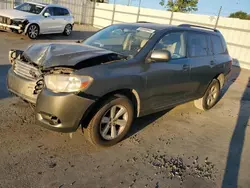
<point>131,94</point>
<point>221,78</point>
<point>69,23</point>
<point>32,23</point>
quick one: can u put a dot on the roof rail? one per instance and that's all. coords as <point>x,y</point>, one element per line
<point>197,26</point>
<point>143,22</point>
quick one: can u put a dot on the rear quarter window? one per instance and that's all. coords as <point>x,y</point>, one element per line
<point>218,47</point>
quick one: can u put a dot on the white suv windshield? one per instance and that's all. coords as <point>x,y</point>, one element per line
<point>122,39</point>
<point>31,8</point>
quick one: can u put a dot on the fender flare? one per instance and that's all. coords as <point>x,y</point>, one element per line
<point>138,101</point>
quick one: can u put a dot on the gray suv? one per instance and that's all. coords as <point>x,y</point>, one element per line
<point>122,72</point>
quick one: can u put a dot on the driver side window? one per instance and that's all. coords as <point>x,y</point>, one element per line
<point>49,10</point>
<point>174,43</point>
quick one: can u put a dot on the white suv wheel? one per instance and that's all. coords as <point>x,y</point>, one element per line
<point>33,31</point>
<point>67,30</point>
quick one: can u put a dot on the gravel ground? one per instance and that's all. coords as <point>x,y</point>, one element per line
<point>181,147</point>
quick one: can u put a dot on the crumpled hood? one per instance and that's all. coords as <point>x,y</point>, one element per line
<point>61,54</point>
<point>12,13</point>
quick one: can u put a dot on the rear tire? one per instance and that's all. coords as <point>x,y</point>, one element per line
<point>111,122</point>
<point>210,98</point>
<point>67,30</point>
<point>33,31</point>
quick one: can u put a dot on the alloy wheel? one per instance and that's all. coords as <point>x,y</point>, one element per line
<point>212,95</point>
<point>113,122</point>
<point>68,29</point>
<point>33,31</point>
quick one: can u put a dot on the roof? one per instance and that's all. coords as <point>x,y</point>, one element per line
<point>47,5</point>
<point>37,3</point>
<point>159,27</point>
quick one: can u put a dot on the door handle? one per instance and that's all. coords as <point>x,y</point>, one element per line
<point>185,67</point>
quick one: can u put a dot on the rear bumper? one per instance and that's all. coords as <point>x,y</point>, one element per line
<point>21,87</point>
<point>61,112</point>
<point>10,26</point>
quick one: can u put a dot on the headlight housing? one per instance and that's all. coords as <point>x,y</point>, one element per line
<point>60,83</point>
<point>19,20</point>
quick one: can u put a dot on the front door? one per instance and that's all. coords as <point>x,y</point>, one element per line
<point>168,82</point>
<point>49,24</point>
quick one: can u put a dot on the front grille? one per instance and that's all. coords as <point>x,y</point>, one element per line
<point>26,70</point>
<point>5,20</point>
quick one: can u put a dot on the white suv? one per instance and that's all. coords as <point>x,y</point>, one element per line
<point>34,19</point>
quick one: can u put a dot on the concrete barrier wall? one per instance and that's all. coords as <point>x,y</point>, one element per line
<point>235,31</point>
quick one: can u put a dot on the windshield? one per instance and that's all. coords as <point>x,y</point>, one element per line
<point>122,39</point>
<point>31,8</point>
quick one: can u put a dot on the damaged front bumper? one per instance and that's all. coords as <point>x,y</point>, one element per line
<point>18,25</point>
<point>61,112</point>
<point>21,86</point>
<point>23,79</point>
<point>2,25</point>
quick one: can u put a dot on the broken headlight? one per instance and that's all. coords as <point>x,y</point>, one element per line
<point>19,20</point>
<point>67,83</point>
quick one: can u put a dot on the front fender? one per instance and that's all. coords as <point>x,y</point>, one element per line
<point>101,88</point>
<point>27,26</point>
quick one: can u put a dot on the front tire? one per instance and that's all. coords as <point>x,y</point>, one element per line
<point>111,122</point>
<point>33,31</point>
<point>210,98</point>
<point>67,30</point>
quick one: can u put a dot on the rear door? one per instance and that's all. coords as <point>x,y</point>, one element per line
<point>61,18</point>
<point>168,82</point>
<point>201,62</point>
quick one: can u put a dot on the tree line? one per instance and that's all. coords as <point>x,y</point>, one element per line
<point>192,6</point>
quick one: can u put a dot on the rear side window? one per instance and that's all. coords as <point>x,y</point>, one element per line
<point>61,11</point>
<point>218,48</point>
<point>197,45</point>
<point>65,12</point>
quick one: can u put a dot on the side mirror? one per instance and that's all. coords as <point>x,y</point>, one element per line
<point>46,14</point>
<point>160,55</point>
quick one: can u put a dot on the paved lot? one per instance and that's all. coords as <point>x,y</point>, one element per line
<point>182,147</point>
